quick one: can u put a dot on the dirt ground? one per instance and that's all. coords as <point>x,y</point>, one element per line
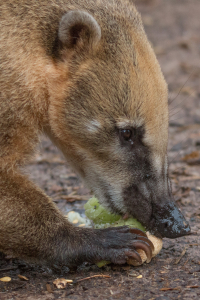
<point>173,29</point>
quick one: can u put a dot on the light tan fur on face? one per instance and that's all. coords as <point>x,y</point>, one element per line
<point>93,126</point>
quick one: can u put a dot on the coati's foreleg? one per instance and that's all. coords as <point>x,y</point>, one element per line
<point>33,228</point>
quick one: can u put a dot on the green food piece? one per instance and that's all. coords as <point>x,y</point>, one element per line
<point>98,214</point>
<point>131,222</point>
<point>103,219</point>
<point>102,263</point>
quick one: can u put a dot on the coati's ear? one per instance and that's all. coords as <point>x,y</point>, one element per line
<point>78,29</point>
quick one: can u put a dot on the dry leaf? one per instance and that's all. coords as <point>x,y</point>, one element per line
<point>191,178</point>
<point>5,279</point>
<point>49,289</point>
<point>94,276</point>
<point>163,272</point>
<point>170,289</point>
<point>166,289</point>
<point>192,155</point>
<point>22,277</point>
<point>61,283</point>
<point>133,274</point>
<point>182,254</point>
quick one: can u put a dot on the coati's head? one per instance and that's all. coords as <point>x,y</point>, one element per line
<point>110,115</point>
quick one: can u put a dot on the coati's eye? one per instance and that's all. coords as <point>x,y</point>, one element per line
<point>126,134</point>
<point>148,176</point>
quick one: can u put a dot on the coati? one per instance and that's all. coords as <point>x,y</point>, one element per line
<point>83,73</point>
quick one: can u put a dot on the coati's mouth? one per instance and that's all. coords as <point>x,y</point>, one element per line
<point>160,215</point>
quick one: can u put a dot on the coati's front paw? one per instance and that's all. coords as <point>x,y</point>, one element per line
<point>121,243</point>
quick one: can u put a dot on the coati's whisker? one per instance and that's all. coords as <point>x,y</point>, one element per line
<point>172,120</point>
<point>178,105</point>
<point>182,141</point>
<point>171,101</point>
<point>171,161</point>
<point>177,112</point>
<point>178,151</point>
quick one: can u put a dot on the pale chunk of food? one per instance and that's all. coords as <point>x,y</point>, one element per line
<point>157,242</point>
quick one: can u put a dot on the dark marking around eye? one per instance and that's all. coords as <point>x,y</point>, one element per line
<point>126,134</point>
<point>131,136</point>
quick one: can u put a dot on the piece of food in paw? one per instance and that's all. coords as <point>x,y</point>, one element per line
<point>157,242</point>
<point>102,219</point>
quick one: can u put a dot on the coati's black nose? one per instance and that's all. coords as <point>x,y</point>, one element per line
<point>169,221</point>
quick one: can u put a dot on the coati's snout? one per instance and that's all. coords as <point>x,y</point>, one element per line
<point>168,221</point>
<point>150,200</point>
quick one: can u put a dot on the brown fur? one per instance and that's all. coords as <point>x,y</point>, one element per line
<point>104,77</point>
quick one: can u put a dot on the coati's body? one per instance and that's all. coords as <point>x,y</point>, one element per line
<point>83,73</point>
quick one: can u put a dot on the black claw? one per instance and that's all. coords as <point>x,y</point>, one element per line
<point>146,240</point>
<point>138,232</point>
<point>134,255</point>
<point>145,247</point>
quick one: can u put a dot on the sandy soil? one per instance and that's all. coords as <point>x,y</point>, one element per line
<point>173,29</point>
